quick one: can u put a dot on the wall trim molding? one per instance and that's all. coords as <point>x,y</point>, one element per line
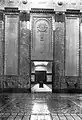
<point>11,9</point>
<point>41,10</point>
<point>73,11</point>
<point>15,90</point>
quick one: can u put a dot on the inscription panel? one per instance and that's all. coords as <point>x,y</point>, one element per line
<point>41,38</point>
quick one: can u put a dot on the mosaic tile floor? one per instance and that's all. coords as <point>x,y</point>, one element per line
<point>40,106</point>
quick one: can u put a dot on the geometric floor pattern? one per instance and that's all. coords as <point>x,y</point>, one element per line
<point>40,106</point>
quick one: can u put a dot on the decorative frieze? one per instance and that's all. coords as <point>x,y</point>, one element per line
<point>11,9</point>
<point>42,10</point>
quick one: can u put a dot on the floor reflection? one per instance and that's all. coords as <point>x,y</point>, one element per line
<point>21,105</point>
<point>40,117</point>
<point>40,108</point>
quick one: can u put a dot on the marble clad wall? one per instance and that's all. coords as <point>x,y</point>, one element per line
<point>1,48</point>
<point>72,46</point>
<point>18,78</point>
<point>81,52</point>
<point>1,44</point>
<point>24,54</point>
<point>58,49</point>
<point>11,45</point>
<point>59,42</point>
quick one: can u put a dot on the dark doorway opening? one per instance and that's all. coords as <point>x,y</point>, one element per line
<point>41,76</point>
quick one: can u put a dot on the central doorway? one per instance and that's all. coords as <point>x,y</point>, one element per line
<point>41,76</point>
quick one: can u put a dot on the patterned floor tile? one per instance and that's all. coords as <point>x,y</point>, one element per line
<point>60,106</point>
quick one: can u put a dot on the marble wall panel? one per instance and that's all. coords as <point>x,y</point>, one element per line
<point>59,49</point>
<point>72,47</point>
<point>11,45</point>
<point>42,38</point>
<point>81,53</point>
<point>24,54</point>
<point>81,47</point>
<point>58,46</point>
<point>1,46</point>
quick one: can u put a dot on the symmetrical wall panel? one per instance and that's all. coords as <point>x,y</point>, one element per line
<point>72,56</point>
<point>1,46</point>
<point>72,46</point>
<point>11,45</point>
<point>81,52</point>
<point>81,47</point>
<point>41,38</point>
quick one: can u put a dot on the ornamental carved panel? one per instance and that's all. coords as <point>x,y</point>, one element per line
<point>41,38</point>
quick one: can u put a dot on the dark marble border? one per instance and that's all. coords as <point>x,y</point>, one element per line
<point>15,90</point>
<point>72,11</point>
<point>67,91</point>
<point>24,90</point>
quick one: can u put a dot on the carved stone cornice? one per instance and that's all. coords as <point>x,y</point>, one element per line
<point>11,9</point>
<point>41,10</point>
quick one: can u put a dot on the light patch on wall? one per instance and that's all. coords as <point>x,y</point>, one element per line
<point>53,23</point>
<point>28,25</point>
<point>40,68</point>
<point>81,28</point>
<point>42,4</point>
<point>40,63</point>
